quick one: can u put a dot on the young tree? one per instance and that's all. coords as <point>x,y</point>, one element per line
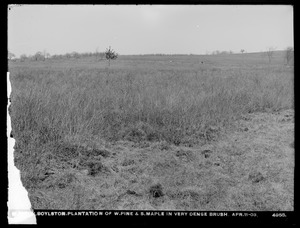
<point>242,51</point>
<point>270,53</point>
<point>289,54</point>
<point>110,54</point>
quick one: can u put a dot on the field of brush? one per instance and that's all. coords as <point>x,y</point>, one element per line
<point>155,132</point>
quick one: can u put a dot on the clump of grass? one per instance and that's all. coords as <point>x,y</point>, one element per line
<point>95,167</point>
<point>141,131</point>
<point>156,191</point>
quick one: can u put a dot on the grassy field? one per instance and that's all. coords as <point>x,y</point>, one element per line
<point>133,135</point>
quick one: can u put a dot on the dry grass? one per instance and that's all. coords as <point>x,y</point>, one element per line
<point>89,137</point>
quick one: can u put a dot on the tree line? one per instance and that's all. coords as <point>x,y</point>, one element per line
<point>109,54</point>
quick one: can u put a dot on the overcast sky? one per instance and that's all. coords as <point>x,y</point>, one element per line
<point>146,29</point>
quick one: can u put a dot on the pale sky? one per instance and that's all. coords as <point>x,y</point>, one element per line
<point>149,29</point>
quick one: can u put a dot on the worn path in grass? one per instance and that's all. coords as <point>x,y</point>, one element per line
<point>251,167</point>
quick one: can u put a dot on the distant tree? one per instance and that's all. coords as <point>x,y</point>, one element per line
<point>23,57</point>
<point>289,54</point>
<point>56,57</point>
<point>270,53</point>
<point>75,55</point>
<point>68,55</point>
<point>110,54</point>
<point>224,53</point>
<point>46,55</point>
<point>10,55</point>
<point>217,52</point>
<point>242,51</point>
<point>39,56</point>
